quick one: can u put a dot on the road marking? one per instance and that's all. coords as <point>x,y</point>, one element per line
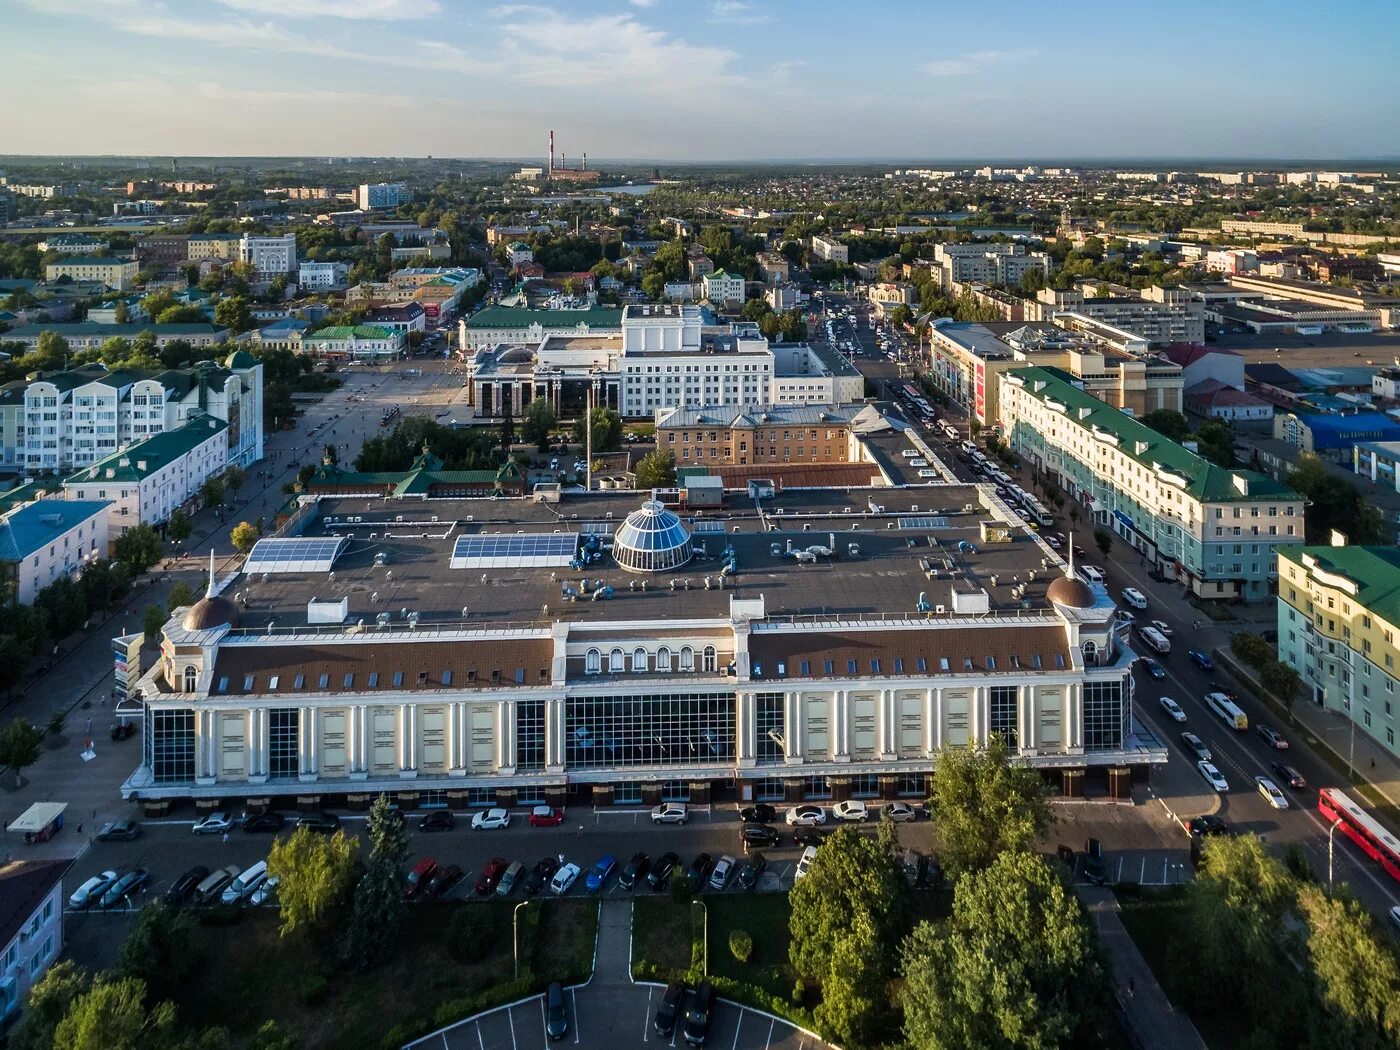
<point>737,1027</point>
<point>769,1041</point>
<point>480,1041</point>
<point>1120,870</point>
<point>510,1016</point>
<point>573,998</point>
<point>646,1028</point>
<point>1142,871</point>
<point>544,1021</point>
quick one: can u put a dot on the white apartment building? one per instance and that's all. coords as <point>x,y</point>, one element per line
<point>1159,315</point>
<point>1231,260</point>
<point>51,539</point>
<point>809,375</point>
<point>680,291</point>
<point>321,276</point>
<point>147,482</point>
<point>723,287</point>
<point>830,249</point>
<point>271,256</point>
<point>669,360</point>
<point>31,931</point>
<point>1002,264</point>
<point>518,252</point>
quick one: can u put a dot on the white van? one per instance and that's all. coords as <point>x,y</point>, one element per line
<point>245,883</point>
<point>1135,597</point>
<point>1090,574</point>
<point>1155,640</point>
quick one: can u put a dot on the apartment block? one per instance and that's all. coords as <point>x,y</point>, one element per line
<point>830,249</point>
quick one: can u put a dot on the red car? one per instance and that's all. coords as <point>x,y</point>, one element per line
<point>418,877</point>
<point>491,876</point>
<point>546,817</point>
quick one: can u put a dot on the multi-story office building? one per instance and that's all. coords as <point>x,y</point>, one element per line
<point>214,247</point>
<point>270,256</point>
<point>321,276</point>
<point>118,274</point>
<point>723,288</point>
<point>830,249</point>
<point>162,250</point>
<point>1212,528</point>
<point>1338,616</point>
<point>1158,315</point>
<point>503,324</point>
<point>796,678</point>
<point>965,360</point>
<point>1136,383</point>
<point>767,434</point>
<point>382,195</point>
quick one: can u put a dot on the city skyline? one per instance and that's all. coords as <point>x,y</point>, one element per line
<point>724,81</point>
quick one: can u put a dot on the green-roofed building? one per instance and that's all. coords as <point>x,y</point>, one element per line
<point>1212,528</point>
<point>506,324</point>
<point>1338,620</point>
<point>425,479</point>
<point>361,342</point>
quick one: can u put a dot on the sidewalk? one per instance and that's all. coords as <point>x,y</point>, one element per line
<point>1153,1021</point>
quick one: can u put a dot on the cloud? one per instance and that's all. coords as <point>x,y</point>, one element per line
<point>300,97</point>
<point>962,65</point>
<point>381,10</point>
<point>736,12</point>
<point>642,3</point>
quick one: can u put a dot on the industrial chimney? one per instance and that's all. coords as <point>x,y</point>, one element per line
<point>551,152</point>
<point>585,162</point>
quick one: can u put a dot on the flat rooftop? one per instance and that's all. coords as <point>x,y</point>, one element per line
<point>928,540</point>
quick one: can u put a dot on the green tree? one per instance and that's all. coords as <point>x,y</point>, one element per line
<point>152,620</point>
<point>121,313</point>
<point>211,493</point>
<point>139,547</point>
<point>243,536</point>
<point>19,747</point>
<point>180,315</point>
<point>1016,966</point>
<point>1283,682</point>
<point>315,874</point>
<point>379,904</point>
<point>607,431</point>
<point>112,1015</point>
<point>1215,441</point>
<point>50,998</point>
<point>1357,974</point>
<point>234,314</point>
<point>181,595</point>
<point>653,284</point>
<point>657,469</point>
<point>160,950</point>
<point>984,806</point>
<point>1103,539</point>
<point>179,526</point>
<point>1169,423</point>
<point>537,423</point>
<point>51,350</point>
<point>234,479</point>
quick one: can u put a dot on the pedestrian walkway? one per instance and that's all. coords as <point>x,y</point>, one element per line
<point>612,961</point>
<point>1153,1021</point>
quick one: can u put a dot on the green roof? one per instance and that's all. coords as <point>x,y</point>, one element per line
<point>155,453</point>
<point>346,331</point>
<point>1204,480</point>
<point>126,331</point>
<point>518,317</point>
<point>1375,571</point>
<point>93,260</point>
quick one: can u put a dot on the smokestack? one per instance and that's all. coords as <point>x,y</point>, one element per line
<point>551,152</point>
<point>585,162</point>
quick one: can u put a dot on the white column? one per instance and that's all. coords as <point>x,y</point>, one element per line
<point>1073,718</point>
<point>505,738</point>
<point>408,740</point>
<point>311,745</point>
<point>792,729</point>
<point>554,735</point>
<point>201,748</point>
<point>456,740</point>
<point>746,730</point>
<point>886,725</point>
<point>933,721</point>
<point>841,726</point>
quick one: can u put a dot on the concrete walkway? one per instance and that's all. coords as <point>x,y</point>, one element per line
<point>1153,1021</point>
<point>612,962</point>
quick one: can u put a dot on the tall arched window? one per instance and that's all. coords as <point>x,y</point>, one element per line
<point>593,662</point>
<point>663,659</point>
<point>687,658</point>
<point>639,659</point>
<point>710,658</point>
<point>1091,652</point>
<point>617,661</point>
<point>191,679</point>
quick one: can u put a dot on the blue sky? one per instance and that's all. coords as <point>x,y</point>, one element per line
<point>703,79</point>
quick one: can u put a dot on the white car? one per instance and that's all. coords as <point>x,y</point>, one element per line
<point>805,816</point>
<point>563,879</point>
<point>1172,708</point>
<point>213,824</point>
<point>92,890</point>
<point>263,893</point>
<point>670,813</point>
<point>1271,793</point>
<point>854,811</point>
<point>901,812</point>
<point>1053,540</point>
<point>1163,628</point>
<point>1135,597</point>
<point>805,861</point>
<point>491,819</point>
<point>1213,776</point>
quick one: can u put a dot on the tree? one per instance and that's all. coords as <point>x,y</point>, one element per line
<point>181,595</point>
<point>112,1015</point>
<point>1357,974</point>
<point>379,904</point>
<point>1252,649</point>
<point>657,470</point>
<point>152,620</point>
<point>121,313</point>
<point>19,747</point>
<point>985,806</point>
<point>315,874</point>
<point>139,547</point>
<point>1169,423</point>
<point>179,526</point>
<point>211,493</point>
<point>234,479</point>
<point>538,422</point>
<point>1283,682</point>
<point>160,950</point>
<point>243,536</point>
<point>1215,441</point>
<point>1103,539</point>
<point>49,1000</point>
<point>1016,966</point>
<point>234,314</point>
<point>607,431</point>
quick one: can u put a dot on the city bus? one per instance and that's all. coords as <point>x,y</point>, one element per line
<point>1357,825</point>
<point>1228,711</point>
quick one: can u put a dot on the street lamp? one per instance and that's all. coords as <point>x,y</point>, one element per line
<point>705,954</point>
<point>515,934</point>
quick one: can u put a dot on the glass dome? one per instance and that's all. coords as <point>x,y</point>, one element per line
<point>652,539</point>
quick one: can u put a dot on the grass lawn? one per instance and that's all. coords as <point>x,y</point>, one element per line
<point>765,917</point>
<point>251,974</point>
<point>661,933</point>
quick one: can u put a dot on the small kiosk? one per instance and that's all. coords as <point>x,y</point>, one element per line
<point>40,822</point>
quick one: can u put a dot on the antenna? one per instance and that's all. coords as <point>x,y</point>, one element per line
<point>209,592</point>
<point>1071,556</point>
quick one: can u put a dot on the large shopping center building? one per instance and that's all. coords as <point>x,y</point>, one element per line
<point>616,649</point>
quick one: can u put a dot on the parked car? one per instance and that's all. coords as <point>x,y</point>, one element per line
<point>417,878</point>
<point>804,862</point>
<point>1201,659</point>
<point>634,871</point>
<point>1207,824</point>
<point>758,835</point>
<point>1272,795</point>
<point>183,887</point>
<point>491,820</point>
<point>808,837</point>
<point>213,824</point>
<point>510,879</point>
<point>1196,746</point>
<point>556,1013</point>
<point>119,831</point>
<point>539,876</point>
<point>1214,777</point>
<point>1154,669</point>
<point>490,876</point>
<point>670,813</point>
<point>546,817</point>
<point>598,874</point>
<point>697,1019</point>
<point>269,821</point>
<point>208,891</point>
<point>1272,737</point>
<point>660,874</point>
<point>563,879</point>
<point>438,820</point>
<point>126,886</point>
<point>806,816</point>
<point>852,811</point>
<point>442,880</point>
<point>669,1009</point>
<point>246,883</point>
<point>724,868</point>
<point>1163,628</point>
<point>1172,708</point>
<point>1289,775</point>
<point>91,891</point>
<point>1394,914</point>
<point>699,869</point>
<point>748,875</point>
<point>322,823</point>
<point>263,893</point>
<point>900,813</point>
<point>1095,868</point>
<point>761,813</point>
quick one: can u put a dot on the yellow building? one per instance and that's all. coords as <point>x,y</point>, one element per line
<point>116,273</point>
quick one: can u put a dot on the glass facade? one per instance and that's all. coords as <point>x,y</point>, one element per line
<point>1103,716</point>
<point>171,743</point>
<point>769,789</point>
<point>615,732</point>
<point>652,539</point>
<point>529,736</point>
<point>1002,701</point>
<point>866,785</point>
<point>768,716</point>
<point>283,742</point>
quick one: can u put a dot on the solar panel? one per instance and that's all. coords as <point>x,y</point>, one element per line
<point>597,528</point>
<point>922,521</point>
<point>490,550</point>
<point>706,526</point>
<point>301,554</point>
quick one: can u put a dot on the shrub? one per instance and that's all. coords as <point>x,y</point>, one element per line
<point>799,991</point>
<point>469,933</point>
<point>313,988</point>
<point>740,945</point>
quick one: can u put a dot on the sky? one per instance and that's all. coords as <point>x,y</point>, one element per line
<point>916,81</point>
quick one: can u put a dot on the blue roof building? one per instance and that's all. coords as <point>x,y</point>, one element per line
<point>49,538</point>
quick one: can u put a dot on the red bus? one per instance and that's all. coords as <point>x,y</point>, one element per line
<point>1356,824</point>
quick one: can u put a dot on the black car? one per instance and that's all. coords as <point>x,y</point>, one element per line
<point>670,1007</point>
<point>699,869</point>
<point>1207,824</point>
<point>759,835</point>
<point>321,823</point>
<point>697,1018</point>
<point>437,820</point>
<point>660,873</point>
<point>119,831</point>
<point>539,876</point>
<point>933,876</point>
<point>748,875</point>
<point>1289,775</point>
<point>556,1023</point>
<point>635,870</point>
<point>808,837</point>
<point>442,880</point>
<point>1095,870</point>
<point>762,813</point>
<point>269,821</point>
<point>185,885</point>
